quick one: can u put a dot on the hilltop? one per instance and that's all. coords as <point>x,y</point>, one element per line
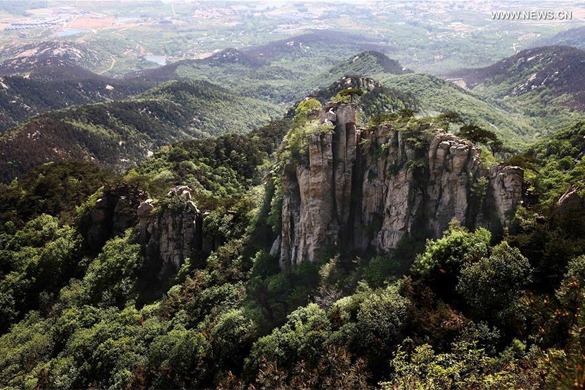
<point>51,89</point>
<point>574,37</point>
<point>23,58</point>
<point>556,70</point>
<point>543,83</point>
<point>439,96</point>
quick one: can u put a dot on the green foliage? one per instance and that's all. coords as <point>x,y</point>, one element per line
<point>28,343</point>
<point>381,317</point>
<point>304,108</point>
<point>491,285</point>
<point>438,96</point>
<point>53,188</point>
<point>234,318</point>
<point>301,337</point>
<point>446,255</point>
<point>296,142</point>
<point>232,337</point>
<point>111,278</point>
<point>467,366</point>
<point>117,134</point>
<point>347,95</point>
<point>477,134</point>
<point>385,101</point>
<point>176,359</point>
<point>34,262</point>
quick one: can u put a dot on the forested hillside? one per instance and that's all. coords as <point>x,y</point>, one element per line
<point>121,133</point>
<point>295,195</point>
<point>172,275</point>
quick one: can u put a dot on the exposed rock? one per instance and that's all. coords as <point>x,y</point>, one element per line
<point>368,190</point>
<point>113,213</point>
<point>172,235</point>
<point>506,184</point>
<point>168,236</point>
<point>569,212</point>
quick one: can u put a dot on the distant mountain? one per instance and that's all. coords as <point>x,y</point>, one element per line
<point>32,56</point>
<point>32,85</point>
<point>435,95</point>
<point>556,70</point>
<point>223,58</point>
<point>544,83</point>
<point>369,63</point>
<point>314,43</point>
<point>233,56</point>
<point>261,79</point>
<point>573,37</point>
<point>285,70</point>
<point>45,68</point>
<point>120,133</point>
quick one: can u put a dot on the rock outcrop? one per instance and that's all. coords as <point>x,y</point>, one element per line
<point>171,235</point>
<point>367,190</point>
<point>569,211</point>
<point>113,213</point>
<point>168,236</point>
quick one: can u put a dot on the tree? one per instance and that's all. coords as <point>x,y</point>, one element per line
<point>441,262</point>
<point>477,134</point>
<point>111,278</point>
<point>305,108</point>
<point>301,338</point>
<point>381,317</point>
<point>490,285</point>
<point>348,95</point>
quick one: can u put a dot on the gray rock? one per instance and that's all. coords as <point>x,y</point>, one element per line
<point>371,197</point>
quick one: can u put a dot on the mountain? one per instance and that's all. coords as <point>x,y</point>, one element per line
<point>346,177</point>
<point>45,68</point>
<point>24,58</point>
<point>224,57</point>
<point>24,97</point>
<point>232,56</point>
<point>544,83</point>
<point>120,133</point>
<point>435,95</point>
<point>258,78</point>
<point>368,63</point>
<point>314,44</point>
<point>555,70</point>
<point>393,255</point>
<point>574,37</point>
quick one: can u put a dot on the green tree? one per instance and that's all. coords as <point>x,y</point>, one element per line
<point>492,284</point>
<point>380,318</point>
<point>304,108</point>
<point>443,258</point>
<point>112,277</point>
<point>301,338</point>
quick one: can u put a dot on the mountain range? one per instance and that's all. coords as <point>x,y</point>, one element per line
<point>291,216</point>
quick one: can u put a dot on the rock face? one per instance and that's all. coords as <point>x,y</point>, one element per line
<point>167,237</point>
<point>172,235</point>
<point>367,190</point>
<point>569,212</point>
<point>113,213</point>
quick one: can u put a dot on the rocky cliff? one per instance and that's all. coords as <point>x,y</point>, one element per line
<point>173,234</point>
<point>168,235</point>
<point>367,190</point>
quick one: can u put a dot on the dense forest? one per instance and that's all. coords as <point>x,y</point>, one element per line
<point>475,308</point>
